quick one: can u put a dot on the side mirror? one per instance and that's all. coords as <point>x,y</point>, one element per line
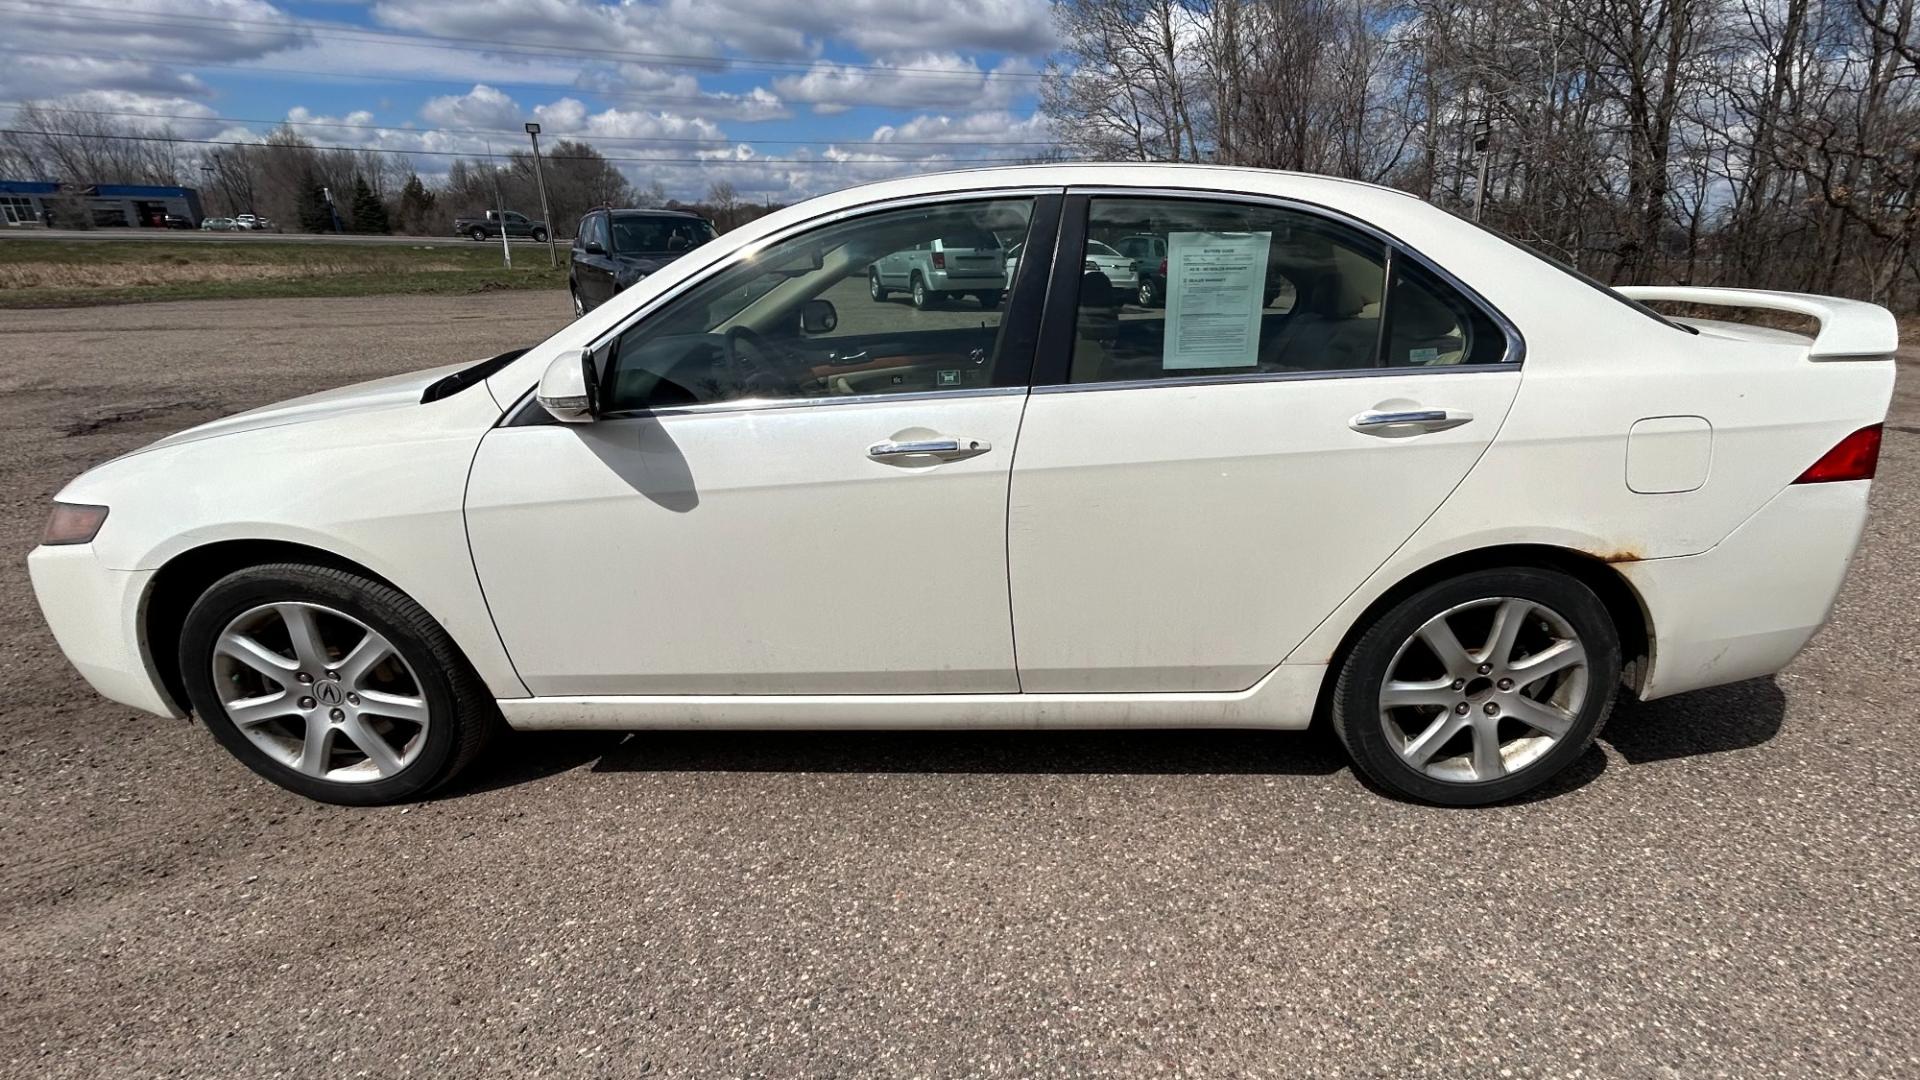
<point>570,388</point>
<point>592,247</point>
<point>818,317</point>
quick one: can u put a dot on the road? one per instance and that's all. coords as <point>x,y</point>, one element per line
<point>1726,885</point>
<point>83,236</point>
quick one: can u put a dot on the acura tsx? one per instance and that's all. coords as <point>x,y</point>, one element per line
<point>1361,460</point>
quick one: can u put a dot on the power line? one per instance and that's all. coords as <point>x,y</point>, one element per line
<point>341,32</point>
<point>710,140</point>
<point>550,157</point>
<point>717,101</point>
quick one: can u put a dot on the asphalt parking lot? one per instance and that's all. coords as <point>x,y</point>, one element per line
<point>1725,887</point>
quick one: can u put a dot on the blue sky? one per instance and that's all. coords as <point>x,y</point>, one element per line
<point>832,91</point>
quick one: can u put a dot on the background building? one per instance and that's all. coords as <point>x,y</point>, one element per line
<point>30,202</point>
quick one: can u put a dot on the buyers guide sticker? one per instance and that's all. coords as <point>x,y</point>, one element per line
<point>1215,296</point>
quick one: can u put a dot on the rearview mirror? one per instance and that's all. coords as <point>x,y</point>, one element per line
<point>818,317</point>
<point>570,389</point>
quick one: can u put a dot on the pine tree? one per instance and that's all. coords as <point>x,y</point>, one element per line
<point>416,203</point>
<point>369,212</point>
<point>310,205</point>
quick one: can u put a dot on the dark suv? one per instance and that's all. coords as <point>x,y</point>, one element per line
<point>612,249</point>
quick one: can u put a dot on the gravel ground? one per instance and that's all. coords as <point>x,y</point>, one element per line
<point>1725,887</point>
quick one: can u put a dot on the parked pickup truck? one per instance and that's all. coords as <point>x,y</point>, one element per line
<point>488,225</point>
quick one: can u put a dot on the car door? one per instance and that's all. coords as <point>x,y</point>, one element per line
<point>597,265</point>
<point>1199,486</point>
<point>738,522</point>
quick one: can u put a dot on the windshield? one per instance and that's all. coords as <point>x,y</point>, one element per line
<point>634,235</point>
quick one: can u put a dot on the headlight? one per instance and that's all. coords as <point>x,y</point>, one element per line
<point>74,523</point>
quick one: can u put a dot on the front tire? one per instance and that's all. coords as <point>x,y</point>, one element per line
<point>478,234</point>
<point>539,236</point>
<point>332,685</point>
<point>874,289</point>
<point>1479,688</point>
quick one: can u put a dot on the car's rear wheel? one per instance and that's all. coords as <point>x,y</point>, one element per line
<point>923,297</point>
<point>331,684</point>
<point>1479,688</point>
<point>990,298</point>
<point>1149,295</point>
<point>874,288</point>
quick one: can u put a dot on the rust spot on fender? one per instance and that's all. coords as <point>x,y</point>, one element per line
<point>1620,556</point>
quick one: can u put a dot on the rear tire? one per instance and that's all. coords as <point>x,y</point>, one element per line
<point>923,297</point>
<point>1149,295</point>
<point>989,299</point>
<point>350,692</point>
<point>1479,688</point>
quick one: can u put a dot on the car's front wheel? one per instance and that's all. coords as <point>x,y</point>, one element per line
<point>874,289</point>
<point>478,234</point>
<point>539,236</point>
<point>1479,688</point>
<point>331,684</point>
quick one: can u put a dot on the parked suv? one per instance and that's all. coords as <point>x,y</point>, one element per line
<point>612,249</point>
<point>966,260</point>
<point>1149,252</point>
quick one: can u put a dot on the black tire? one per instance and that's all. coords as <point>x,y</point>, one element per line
<point>923,297</point>
<point>989,299</point>
<point>1149,295</point>
<point>461,712</point>
<point>874,288</point>
<point>477,234</point>
<point>1356,710</point>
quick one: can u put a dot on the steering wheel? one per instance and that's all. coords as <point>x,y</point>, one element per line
<point>766,375</point>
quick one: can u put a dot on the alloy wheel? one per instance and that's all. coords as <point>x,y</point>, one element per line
<point>1473,714</point>
<point>320,692</point>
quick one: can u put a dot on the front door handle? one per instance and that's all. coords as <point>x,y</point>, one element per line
<point>938,448</point>
<point>1400,423</point>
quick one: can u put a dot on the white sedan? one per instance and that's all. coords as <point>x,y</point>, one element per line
<point>1451,497</point>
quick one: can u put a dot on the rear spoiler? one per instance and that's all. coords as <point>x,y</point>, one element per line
<point>1849,329</point>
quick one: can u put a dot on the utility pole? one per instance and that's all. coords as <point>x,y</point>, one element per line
<point>540,178</point>
<point>1483,142</point>
<point>499,207</point>
<point>208,169</point>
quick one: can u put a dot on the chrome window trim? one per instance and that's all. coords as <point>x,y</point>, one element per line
<point>706,408</point>
<point>1177,381</point>
<point>1516,351</point>
<point>524,413</point>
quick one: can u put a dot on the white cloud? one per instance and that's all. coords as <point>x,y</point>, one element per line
<point>928,80</point>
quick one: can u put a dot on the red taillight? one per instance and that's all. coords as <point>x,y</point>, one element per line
<point>1163,268</point>
<point>939,260</point>
<point>1853,458</point>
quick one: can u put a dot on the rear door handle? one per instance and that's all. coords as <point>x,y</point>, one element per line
<point>1400,423</point>
<point>940,447</point>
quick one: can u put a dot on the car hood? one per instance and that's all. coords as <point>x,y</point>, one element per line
<point>391,392</point>
<point>646,264</point>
